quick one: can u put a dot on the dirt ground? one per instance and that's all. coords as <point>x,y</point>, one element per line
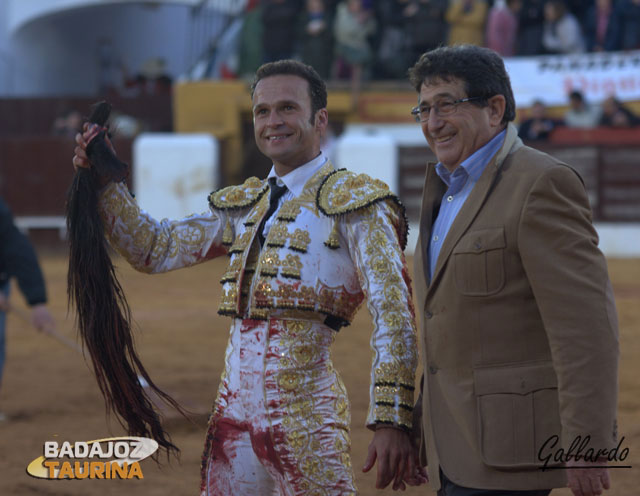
<point>50,393</point>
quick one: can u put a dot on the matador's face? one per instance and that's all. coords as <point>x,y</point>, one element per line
<point>283,127</point>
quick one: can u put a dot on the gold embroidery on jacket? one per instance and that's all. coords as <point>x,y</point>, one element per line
<point>239,196</point>
<point>393,381</point>
<point>269,263</point>
<point>291,267</point>
<point>228,299</point>
<point>242,242</point>
<point>343,192</point>
<point>227,234</point>
<point>394,393</point>
<point>299,241</point>
<point>289,211</point>
<point>233,270</point>
<point>333,241</point>
<point>278,235</point>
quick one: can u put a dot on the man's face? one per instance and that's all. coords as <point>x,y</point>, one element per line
<point>283,127</point>
<point>456,136</point>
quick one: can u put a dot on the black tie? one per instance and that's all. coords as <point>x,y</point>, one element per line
<point>275,194</point>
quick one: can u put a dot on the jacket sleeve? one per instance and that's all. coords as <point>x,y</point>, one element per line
<point>372,236</point>
<point>19,260</point>
<point>568,276</point>
<point>159,246</point>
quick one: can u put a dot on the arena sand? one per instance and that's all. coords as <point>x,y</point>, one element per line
<point>50,393</point>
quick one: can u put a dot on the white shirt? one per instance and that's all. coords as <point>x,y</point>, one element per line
<point>294,181</point>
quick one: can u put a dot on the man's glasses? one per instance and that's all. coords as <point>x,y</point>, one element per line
<point>441,108</point>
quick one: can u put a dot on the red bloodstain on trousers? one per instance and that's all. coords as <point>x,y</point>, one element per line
<point>266,438</point>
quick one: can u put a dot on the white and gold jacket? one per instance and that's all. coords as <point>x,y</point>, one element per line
<point>328,249</point>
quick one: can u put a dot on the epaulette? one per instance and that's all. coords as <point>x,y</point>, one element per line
<point>240,196</point>
<point>343,192</point>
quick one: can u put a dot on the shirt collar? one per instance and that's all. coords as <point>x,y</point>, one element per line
<point>298,177</point>
<point>474,165</point>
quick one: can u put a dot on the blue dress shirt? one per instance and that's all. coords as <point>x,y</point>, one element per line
<point>460,182</point>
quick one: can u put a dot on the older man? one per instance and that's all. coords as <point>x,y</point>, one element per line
<point>519,326</point>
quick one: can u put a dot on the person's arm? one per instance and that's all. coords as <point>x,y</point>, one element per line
<point>568,275</point>
<point>159,246</point>
<point>147,244</point>
<point>20,261</point>
<point>373,241</point>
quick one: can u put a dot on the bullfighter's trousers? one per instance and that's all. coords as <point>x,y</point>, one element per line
<point>280,423</point>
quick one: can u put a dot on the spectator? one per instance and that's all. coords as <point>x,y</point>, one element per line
<point>530,22</point>
<point>538,127</point>
<point>316,37</point>
<point>561,30</point>
<point>502,26</point>
<point>614,114</point>
<point>599,33</point>
<point>580,113</point>
<point>466,20</point>
<point>279,28</point>
<point>426,25</point>
<point>627,24</point>
<point>353,25</point>
<point>394,52</point>
<point>250,55</point>
<point>18,259</point>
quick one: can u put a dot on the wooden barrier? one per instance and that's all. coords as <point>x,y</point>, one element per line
<point>36,171</point>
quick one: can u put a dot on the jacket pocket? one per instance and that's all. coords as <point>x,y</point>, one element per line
<point>478,261</point>
<point>517,412</point>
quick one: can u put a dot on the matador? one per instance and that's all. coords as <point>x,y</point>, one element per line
<point>305,249</point>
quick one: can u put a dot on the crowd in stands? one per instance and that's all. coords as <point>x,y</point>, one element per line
<point>611,113</point>
<point>381,39</point>
<point>358,40</point>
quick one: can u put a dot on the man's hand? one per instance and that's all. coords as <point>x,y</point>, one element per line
<point>392,448</point>
<point>587,481</point>
<point>80,159</point>
<point>89,131</point>
<point>419,475</point>
<point>42,319</point>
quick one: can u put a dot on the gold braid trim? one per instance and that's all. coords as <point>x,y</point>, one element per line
<point>334,239</point>
<point>227,235</point>
<point>343,192</point>
<point>240,196</point>
<point>393,394</point>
